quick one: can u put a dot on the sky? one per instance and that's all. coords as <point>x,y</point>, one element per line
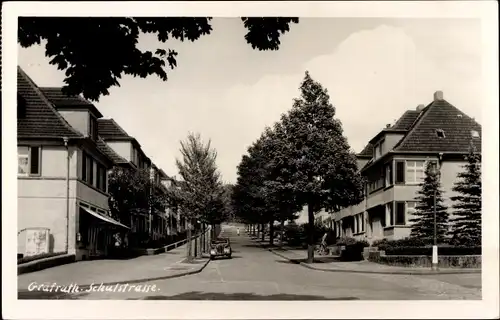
<point>373,69</point>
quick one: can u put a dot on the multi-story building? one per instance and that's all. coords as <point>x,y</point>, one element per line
<point>62,174</point>
<point>147,223</point>
<point>65,153</point>
<point>394,162</point>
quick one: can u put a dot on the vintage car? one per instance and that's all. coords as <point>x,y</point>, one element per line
<point>220,247</point>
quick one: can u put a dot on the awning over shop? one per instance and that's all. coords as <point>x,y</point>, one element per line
<point>103,217</point>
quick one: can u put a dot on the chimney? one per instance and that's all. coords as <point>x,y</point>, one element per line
<point>420,107</point>
<point>438,95</point>
<point>388,125</point>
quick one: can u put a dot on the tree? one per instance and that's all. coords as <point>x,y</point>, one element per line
<point>199,194</point>
<point>430,195</point>
<point>278,181</point>
<point>323,168</point>
<point>95,52</point>
<point>467,207</point>
<point>131,191</point>
<point>250,195</point>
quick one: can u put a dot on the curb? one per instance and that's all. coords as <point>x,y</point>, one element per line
<point>409,272</point>
<point>178,275</point>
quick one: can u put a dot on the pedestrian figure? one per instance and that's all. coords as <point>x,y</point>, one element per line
<point>238,231</point>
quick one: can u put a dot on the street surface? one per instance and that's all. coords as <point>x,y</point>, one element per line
<point>254,273</point>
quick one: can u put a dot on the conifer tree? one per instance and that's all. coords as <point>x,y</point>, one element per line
<point>466,223</point>
<point>430,195</point>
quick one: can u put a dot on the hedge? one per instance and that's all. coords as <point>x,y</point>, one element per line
<point>427,250</point>
<point>353,250</point>
<point>38,256</point>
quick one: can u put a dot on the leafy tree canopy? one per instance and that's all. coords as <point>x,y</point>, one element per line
<point>95,52</point>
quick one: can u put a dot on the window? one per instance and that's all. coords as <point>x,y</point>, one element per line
<point>28,160</point>
<point>84,166</point>
<point>390,212</point>
<point>98,177</point>
<point>440,133</point>
<point>415,171</point>
<point>388,174</point>
<point>400,213</point>
<point>400,172</point>
<point>104,180</point>
<point>378,150</point>
<point>93,128</point>
<point>410,210</point>
<point>386,212</point>
<point>91,171</point>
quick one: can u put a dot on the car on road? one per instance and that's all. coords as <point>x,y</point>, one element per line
<point>220,247</point>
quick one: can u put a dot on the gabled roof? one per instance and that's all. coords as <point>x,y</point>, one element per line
<point>109,129</point>
<point>61,100</point>
<point>367,151</point>
<point>406,120</point>
<point>441,115</point>
<point>40,119</point>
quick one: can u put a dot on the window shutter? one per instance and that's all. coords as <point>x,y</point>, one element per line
<point>400,172</point>
<point>35,160</point>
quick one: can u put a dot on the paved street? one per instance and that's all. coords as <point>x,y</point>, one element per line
<point>257,274</point>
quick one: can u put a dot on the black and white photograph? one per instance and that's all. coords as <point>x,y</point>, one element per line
<point>245,160</point>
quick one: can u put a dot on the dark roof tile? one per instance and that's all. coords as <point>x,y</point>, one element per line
<point>40,119</point>
<point>406,120</point>
<point>367,151</point>
<point>60,100</point>
<point>456,125</point>
<point>108,129</point>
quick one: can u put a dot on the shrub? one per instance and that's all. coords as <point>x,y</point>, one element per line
<point>346,241</point>
<point>407,242</point>
<point>294,234</point>
<point>353,250</point>
<point>38,256</point>
<point>427,251</point>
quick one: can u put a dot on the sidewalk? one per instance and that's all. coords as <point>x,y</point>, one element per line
<point>332,264</point>
<point>109,271</point>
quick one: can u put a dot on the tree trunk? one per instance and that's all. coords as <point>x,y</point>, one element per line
<point>198,239</point>
<point>271,233</point>
<point>282,232</point>
<point>310,240</point>
<point>203,239</point>
<point>262,230</point>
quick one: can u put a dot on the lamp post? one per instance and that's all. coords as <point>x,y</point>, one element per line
<point>436,171</point>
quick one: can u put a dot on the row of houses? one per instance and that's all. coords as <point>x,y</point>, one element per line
<point>393,163</point>
<point>66,150</point>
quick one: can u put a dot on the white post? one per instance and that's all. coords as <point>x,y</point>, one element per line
<point>434,257</point>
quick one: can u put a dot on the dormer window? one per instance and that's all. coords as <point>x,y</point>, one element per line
<point>440,133</point>
<point>474,134</point>
<point>93,128</point>
<point>377,150</point>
